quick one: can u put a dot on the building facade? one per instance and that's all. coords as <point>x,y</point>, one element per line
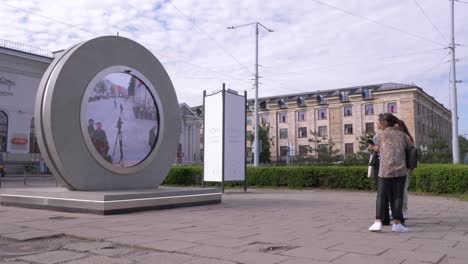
<point>21,70</point>
<point>189,151</point>
<point>300,122</point>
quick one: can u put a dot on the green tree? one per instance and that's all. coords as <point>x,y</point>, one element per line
<point>362,156</point>
<point>323,149</point>
<point>463,142</point>
<point>264,141</point>
<point>131,86</point>
<point>101,87</point>
<point>437,151</point>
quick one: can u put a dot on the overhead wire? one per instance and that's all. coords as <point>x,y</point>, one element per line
<point>418,75</point>
<point>49,18</point>
<point>438,64</point>
<point>99,34</point>
<point>210,37</point>
<point>353,63</point>
<point>214,40</point>
<point>429,20</point>
<point>378,23</point>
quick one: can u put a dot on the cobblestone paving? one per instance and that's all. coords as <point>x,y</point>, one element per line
<point>261,226</point>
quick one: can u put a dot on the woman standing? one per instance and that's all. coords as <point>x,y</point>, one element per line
<point>405,130</point>
<point>375,160</point>
<point>392,172</point>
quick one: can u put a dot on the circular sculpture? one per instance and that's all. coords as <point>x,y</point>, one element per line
<point>107,117</point>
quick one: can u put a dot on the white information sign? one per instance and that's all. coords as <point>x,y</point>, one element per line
<point>213,138</point>
<point>234,139</point>
<point>224,137</point>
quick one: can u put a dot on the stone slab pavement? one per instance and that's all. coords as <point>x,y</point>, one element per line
<point>260,226</point>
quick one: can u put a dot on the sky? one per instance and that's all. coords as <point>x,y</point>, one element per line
<point>122,79</point>
<point>316,44</point>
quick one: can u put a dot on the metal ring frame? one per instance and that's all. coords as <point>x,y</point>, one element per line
<point>61,114</point>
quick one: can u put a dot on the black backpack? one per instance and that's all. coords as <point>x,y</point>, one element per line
<point>411,157</point>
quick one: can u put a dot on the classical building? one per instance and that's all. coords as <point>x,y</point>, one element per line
<point>299,122</point>
<point>21,69</point>
<point>189,147</point>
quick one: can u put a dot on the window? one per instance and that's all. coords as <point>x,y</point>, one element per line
<point>392,107</point>
<point>349,148</point>
<point>302,132</point>
<point>264,118</point>
<point>301,116</point>
<point>323,148</point>
<point>348,129</point>
<point>249,120</point>
<point>321,99</point>
<point>303,150</point>
<point>301,101</point>
<point>3,131</point>
<point>281,103</point>
<point>283,151</point>
<point>369,109</point>
<point>348,110</point>
<point>283,117</point>
<point>369,128</point>
<point>323,131</point>
<point>33,147</point>
<point>367,94</point>
<point>283,133</point>
<point>263,105</point>
<point>322,114</point>
<point>344,95</point>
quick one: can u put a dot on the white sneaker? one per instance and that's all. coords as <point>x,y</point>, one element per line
<point>376,227</point>
<point>400,228</point>
<point>405,214</point>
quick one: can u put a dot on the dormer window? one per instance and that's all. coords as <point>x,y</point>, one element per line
<point>281,103</point>
<point>301,101</point>
<point>344,96</point>
<point>263,105</point>
<point>321,99</point>
<point>348,110</point>
<point>367,94</point>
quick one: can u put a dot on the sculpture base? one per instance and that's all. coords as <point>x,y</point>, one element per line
<point>109,202</point>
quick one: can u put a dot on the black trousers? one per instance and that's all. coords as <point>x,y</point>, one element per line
<point>386,215</point>
<point>390,190</point>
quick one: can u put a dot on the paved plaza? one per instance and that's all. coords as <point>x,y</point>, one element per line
<point>261,226</point>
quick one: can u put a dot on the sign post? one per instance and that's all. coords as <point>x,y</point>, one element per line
<point>224,137</point>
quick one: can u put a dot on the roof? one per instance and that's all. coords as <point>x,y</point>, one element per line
<point>355,90</point>
<point>186,110</point>
<point>25,49</point>
<point>336,92</point>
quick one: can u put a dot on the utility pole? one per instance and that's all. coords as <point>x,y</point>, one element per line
<point>257,127</point>
<point>453,88</point>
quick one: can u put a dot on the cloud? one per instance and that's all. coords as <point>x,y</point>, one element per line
<point>312,47</point>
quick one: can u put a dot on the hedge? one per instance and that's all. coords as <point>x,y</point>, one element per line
<point>433,178</point>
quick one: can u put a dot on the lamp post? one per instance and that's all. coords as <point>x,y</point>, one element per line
<point>256,141</point>
<point>453,88</point>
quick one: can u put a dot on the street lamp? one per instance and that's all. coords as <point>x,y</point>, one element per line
<point>256,141</point>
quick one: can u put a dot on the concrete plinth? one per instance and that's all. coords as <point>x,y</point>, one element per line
<point>109,202</point>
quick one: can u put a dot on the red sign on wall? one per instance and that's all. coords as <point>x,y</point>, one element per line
<point>19,141</point>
